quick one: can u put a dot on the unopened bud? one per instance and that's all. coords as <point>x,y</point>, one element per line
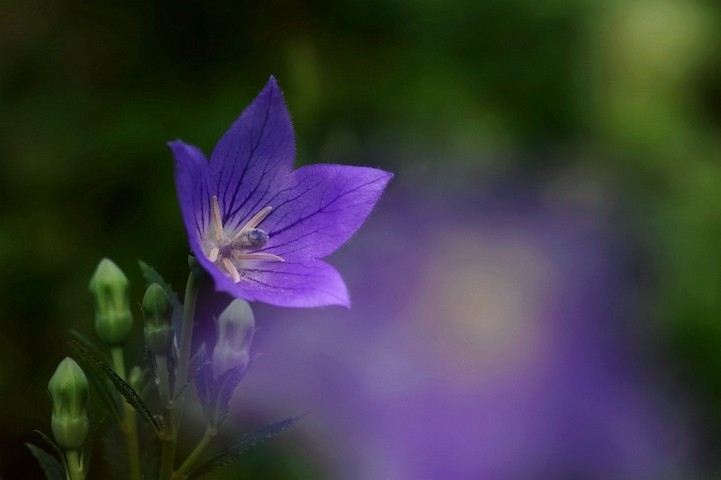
<point>158,315</point>
<point>69,391</point>
<point>236,326</point>
<point>113,320</point>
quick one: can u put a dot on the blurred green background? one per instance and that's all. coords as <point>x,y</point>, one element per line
<point>621,99</point>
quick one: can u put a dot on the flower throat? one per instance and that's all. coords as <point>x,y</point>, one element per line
<point>230,251</point>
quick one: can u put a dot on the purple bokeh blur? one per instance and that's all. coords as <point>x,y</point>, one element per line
<point>490,336</point>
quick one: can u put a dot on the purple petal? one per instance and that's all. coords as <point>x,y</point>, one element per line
<point>286,284</point>
<point>252,159</point>
<point>320,208</point>
<point>191,180</point>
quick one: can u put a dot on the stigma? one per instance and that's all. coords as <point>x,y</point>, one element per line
<point>231,250</point>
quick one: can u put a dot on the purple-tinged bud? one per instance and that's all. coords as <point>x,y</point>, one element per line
<point>158,314</point>
<point>113,319</point>
<point>236,326</point>
<point>69,391</point>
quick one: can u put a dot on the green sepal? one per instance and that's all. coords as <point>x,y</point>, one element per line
<point>132,397</point>
<point>197,366</point>
<point>215,394</point>
<point>204,381</point>
<point>230,454</point>
<point>50,465</point>
<point>223,389</point>
<point>95,376</point>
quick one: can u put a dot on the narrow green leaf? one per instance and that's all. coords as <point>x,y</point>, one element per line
<point>88,359</point>
<point>246,442</point>
<point>97,378</point>
<point>52,468</point>
<point>97,351</point>
<point>51,443</point>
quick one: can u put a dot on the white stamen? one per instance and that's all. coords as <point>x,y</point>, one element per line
<point>235,249</point>
<point>218,223</point>
<point>257,256</point>
<point>256,219</point>
<point>231,269</point>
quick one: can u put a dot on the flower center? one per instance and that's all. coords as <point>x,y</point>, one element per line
<point>229,251</point>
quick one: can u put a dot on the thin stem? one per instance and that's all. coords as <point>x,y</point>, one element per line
<point>167,452</point>
<point>129,424</point>
<point>161,366</point>
<point>193,457</point>
<point>174,407</point>
<point>191,294</point>
<point>168,437</point>
<point>119,362</point>
<point>74,465</point>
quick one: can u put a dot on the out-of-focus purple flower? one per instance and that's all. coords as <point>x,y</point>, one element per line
<point>487,342</point>
<point>259,227</point>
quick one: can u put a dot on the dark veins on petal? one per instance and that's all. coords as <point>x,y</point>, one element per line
<point>267,169</point>
<point>246,164</point>
<point>322,208</point>
<point>300,275</point>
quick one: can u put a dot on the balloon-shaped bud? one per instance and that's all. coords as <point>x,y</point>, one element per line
<point>158,316</point>
<point>113,319</point>
<point>236,326</point>
<point>69,392</point>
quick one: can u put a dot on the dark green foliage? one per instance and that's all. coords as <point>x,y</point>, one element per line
<point>52,468</point>
<point>231,453</point>
<point>91,363</point>
<point>115,451</point>
<point>99,382</point>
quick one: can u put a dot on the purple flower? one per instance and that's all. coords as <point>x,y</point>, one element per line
<point>258,226</point>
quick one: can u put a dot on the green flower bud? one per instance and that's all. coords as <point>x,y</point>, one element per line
<point>236,326</point>
<point>158,315</point>
<point>69,391</point>
<point>113,320</point>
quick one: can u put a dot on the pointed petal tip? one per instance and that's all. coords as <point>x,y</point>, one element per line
<point>185,153</point>
<point>380,175</point>
<point>177,144</point>
<point>386,176</point>
<point>271,86</point>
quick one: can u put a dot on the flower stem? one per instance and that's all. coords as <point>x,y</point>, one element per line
<point>161,366</point>
<point>193,457</point>
<point>174,407</point>
<point>129,424</point>
<point>74,465</point>
<point>191,294</point>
